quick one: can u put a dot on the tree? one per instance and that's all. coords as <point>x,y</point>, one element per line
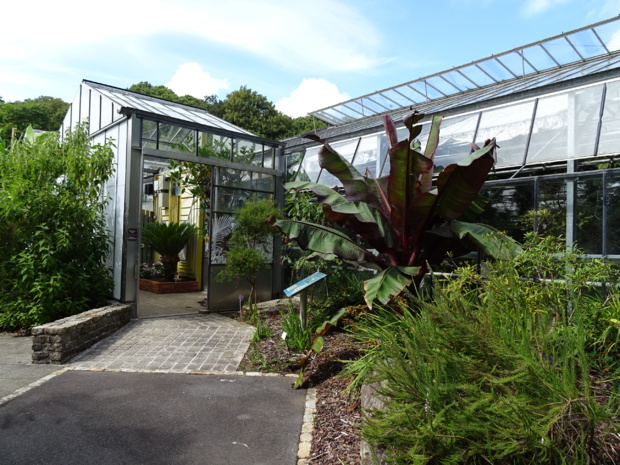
<point>244,107</point>
<point>147,88</point>
<point>401,216</point>
<point>53,234</point>
<point>250,243</point>
<point>45,113</point>
<point>252,111</point>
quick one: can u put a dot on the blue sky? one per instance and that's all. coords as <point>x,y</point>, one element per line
<point>302,55</point>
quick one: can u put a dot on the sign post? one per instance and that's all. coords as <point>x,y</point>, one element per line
<point>301,288</point>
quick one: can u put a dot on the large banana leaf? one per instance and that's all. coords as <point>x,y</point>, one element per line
<point>325,240</point>
<point>388,284</point>
<point>491,241</point>
<point>458,184</point>
<point>426,180</point>
<point>358,217</point>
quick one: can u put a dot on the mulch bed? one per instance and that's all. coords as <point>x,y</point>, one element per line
<point>335,439</point>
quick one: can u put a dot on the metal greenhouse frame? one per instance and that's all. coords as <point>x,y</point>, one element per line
<point>553,107</point>
<point>148,133</point>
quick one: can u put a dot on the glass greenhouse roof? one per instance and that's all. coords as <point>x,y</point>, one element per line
<point>157,106</point>
<point>582,51</point>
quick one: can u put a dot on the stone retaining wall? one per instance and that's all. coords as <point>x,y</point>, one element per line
<point>58,341</point>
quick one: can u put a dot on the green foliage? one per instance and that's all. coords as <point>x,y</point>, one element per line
<point>401,216</point>
<point>298,335</point>
<point>54,239</point>
<point>45,113</point>
<point>249,242</point>
<point>168,239</point>
<point>497,369</point>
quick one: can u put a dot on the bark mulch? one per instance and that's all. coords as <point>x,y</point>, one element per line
<point>335,439</point>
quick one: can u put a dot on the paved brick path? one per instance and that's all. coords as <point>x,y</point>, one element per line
<point>183,344</point>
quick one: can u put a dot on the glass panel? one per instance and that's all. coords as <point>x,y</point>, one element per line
<point>441,85</point>
<point>346,149</point>
<point>214,146</point>
<point>268,156</point>
<point>510,126</point>
<point>476,75</point>
<point>263,182</point>
<point>310,168</point>
<point>95,109</point>
<point>507,206</point>
<point>397,97</point>
<point>410,94</point>
<point>454,138</point>
<point>366,156</point>
<point>610,35</point>
<point>561,51</point>
<point>586,43</point>
<point>538,57</point>
<point>370,107</point>
<point>106,112</point>
<point>610,129</point>
<point>384,162</point>
<point>612,225</point>
<point>565,126</point>
<point>384,102</point>
<point>428,92</point>
<point>293,163</point>
<point>458,80</point>
<point>84,104</point>
<point>516,64</point>
<point>149,134</point>
<point>589,210</point>
<point>176,138</point>
<point>248,152</point>
<point>225,295</point>
<point>552,208</point>
<point>497,71</point>
<point>222,225</point>
<point>233,178</point>
<point>227,200</point>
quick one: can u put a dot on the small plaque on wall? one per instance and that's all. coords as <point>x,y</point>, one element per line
<point>132,234</point>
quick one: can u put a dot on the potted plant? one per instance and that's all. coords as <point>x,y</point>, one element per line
<point>168,240</point>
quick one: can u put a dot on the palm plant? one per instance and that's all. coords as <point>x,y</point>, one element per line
<point>168,240</point>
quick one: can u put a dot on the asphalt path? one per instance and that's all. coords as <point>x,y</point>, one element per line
<point>88,418</point>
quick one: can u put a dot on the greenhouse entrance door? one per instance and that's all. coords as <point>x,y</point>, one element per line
<point>184,189</point>
<point>166,199</point>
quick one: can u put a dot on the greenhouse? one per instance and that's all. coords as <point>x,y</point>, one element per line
<point>553,107</point>
<point>176,163</point>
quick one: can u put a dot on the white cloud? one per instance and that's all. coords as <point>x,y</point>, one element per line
<point>312,94</point>
<point>191,79</point>
<point>536,7</point>
<point>328,35</point>
<point>599,11</point>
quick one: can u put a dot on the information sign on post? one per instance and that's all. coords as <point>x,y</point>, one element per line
<point>301,288</point>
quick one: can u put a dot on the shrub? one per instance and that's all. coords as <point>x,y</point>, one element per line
<point>497,369</point>
<point>54,239</point>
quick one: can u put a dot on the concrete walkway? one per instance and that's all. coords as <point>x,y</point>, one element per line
<point>208,343</point>
<point>16,369</point>
<point>131,399</point>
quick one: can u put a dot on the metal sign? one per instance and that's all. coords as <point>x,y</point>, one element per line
<point>304,284</point>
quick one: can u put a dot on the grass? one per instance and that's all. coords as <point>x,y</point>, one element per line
<point>501,369</point>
